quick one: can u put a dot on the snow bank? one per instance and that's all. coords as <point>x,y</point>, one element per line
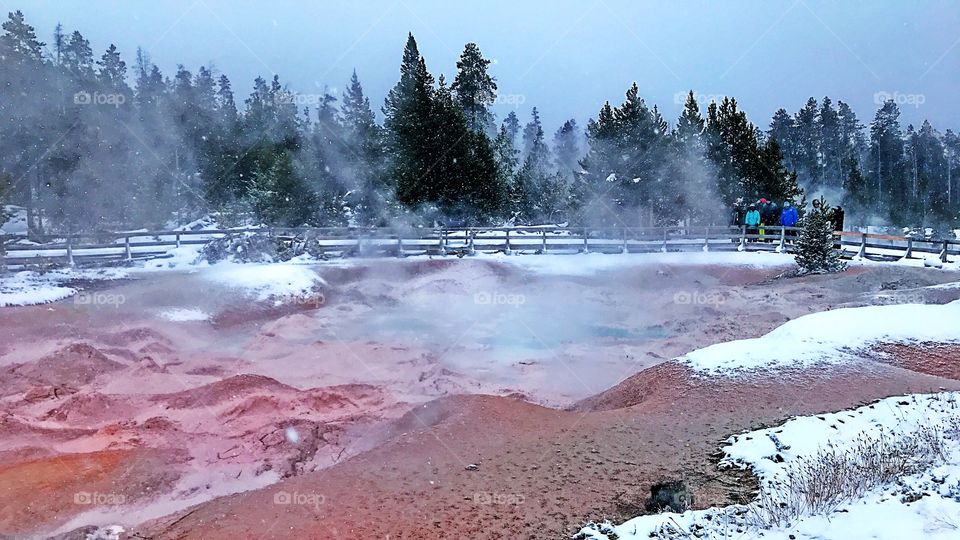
<point>921,505</point>
<point>17,224</point>
<point>581,264</point>
<point>830,337</point>
<point>181,257</point>
<point>185,315</point>
<point>29,288</point>
<point>266,281</point>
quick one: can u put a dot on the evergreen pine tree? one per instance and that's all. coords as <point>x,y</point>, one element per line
<point>886,164</point>
<point>474,88</point>
<point>410,136</point>
<point>815,253</point>
<point>566,149</point>
<point>367,155</point>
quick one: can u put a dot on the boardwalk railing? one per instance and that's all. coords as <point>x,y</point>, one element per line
<point>98,248</point>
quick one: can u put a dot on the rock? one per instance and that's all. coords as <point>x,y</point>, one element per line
<point>472,467</point>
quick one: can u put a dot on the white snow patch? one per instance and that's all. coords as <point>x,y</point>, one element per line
<point>921,505</point>
<point>830,337</point>
<point>28,288</point>
<point>181,257</point>
<point>266,281</point>
<point>185,315</point>
<point>578,265</point>
<point>17,224</point>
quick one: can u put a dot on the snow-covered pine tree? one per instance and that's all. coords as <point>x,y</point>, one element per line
<point>815,252</point>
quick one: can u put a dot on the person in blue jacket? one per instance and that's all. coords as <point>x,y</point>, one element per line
<point>752,219</point>
<point>789,217</point>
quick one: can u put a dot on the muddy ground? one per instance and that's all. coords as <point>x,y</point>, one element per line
<point>410,399</point>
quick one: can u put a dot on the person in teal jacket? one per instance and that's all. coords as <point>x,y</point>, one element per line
<point>752,219</point>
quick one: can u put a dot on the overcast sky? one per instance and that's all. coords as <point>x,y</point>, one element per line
<point>565,57</point>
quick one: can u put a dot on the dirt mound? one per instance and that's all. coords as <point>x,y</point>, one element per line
<point>930,358</point>
<point>75,365</point>
<point>238,386</point>
<point>489,467</point>
<point>14,431</point>
<point>44,393</point>
<point>68,484</point>
<point>89,408</point>
<point>134,335</point>
<point>666,381</point>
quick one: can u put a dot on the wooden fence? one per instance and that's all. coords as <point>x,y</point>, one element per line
<point>91,249</point>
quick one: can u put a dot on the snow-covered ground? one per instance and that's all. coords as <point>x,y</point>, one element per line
<point>17,224</point>
<point>581,264</point>
<point>31,288</point>
<point>267,281</point>
<point>830,337</point>
<point>184,315</point>
<point>922,503</point>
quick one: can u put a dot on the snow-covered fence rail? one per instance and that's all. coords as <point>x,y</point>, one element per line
<point>113,247</point>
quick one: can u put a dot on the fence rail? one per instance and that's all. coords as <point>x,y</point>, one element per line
<point>113,247</point>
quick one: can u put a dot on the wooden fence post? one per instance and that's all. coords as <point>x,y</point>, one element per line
<point>943,254</point>
<point>126,248</point>
<point>863,246</point>
<point>178,239</point>
<point>663,248</point>
<point>783,239</point>
<point>706,239</point>
<point>70,250</point>
<point>586,243</point>
<point>400,245</point>
<point>443,241</point>
<point>909,254</point>
<point>507,249</point>
<point>743,238</point>
<point>624,248</point>
<point>543,247</point>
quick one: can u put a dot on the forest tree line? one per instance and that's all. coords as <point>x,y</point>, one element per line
<point>88,142</point>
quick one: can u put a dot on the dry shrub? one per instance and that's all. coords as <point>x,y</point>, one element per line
<point>822,483</point>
